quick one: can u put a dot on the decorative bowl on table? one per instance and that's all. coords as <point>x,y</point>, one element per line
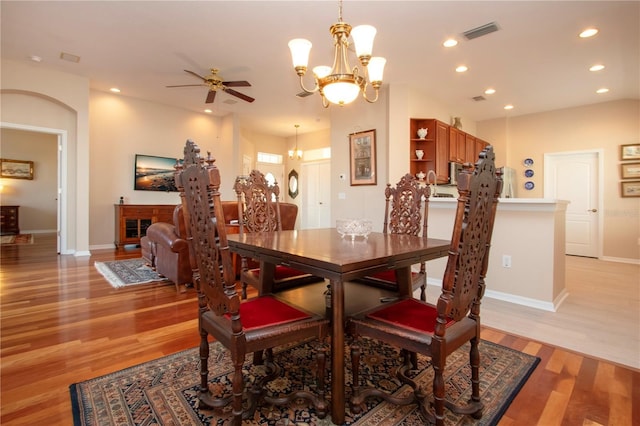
<point>353,227</point>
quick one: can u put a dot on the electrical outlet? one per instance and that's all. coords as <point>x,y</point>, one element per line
<point>506,261</point>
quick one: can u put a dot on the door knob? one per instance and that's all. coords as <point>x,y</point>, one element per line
<point>592,210</point>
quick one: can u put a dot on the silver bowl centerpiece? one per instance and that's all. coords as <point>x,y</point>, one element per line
<point>354,227</point>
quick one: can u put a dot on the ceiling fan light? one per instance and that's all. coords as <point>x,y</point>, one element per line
<point>376,69</point>
<point>363,36</point>
<point>300,49</point>
<point>341,93</point>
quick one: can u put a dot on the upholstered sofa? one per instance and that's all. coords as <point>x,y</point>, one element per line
<point>165,248</point>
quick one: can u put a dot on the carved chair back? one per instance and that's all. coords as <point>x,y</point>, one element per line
<point>404,212</point>
<point>258,203</point>
<point>464,279</point>
<point>198,181</point>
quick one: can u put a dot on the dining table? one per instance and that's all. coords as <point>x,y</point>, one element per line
<point>326,253</point>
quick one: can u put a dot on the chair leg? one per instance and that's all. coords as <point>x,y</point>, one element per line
<point>244,290</point>
<point>423,292</point>
<point>204,358</point>
<point>322,406</point>
<point>438,391</point>
<point>356,400</point>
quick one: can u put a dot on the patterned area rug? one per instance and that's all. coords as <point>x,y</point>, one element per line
<point>121,273</point>
<point>164,391</point>
<point>12,240</point>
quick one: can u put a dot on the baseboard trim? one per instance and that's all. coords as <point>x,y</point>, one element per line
<point>621,260</point>
<point>518,300</point>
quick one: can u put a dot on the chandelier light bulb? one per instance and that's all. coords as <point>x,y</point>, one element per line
<point>341,83</point>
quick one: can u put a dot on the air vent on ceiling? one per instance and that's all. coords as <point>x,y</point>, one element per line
<point>479,98</point>
<point>304,94</point>
<point>69,57</point>
<point>481,31</point>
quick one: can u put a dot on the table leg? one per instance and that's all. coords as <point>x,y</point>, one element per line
<point>267,275</point>
<point>337,352</point>
<point>403,279</point>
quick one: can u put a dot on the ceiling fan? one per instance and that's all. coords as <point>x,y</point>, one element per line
<point>215,83</point>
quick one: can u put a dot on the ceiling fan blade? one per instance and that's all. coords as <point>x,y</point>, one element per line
<point>236,83</point>
<point>211,96</point>
<point>239,95</point>
<point>196,75</point>
<point>187,85</point>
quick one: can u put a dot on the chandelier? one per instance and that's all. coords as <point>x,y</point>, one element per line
<point>295,153</point>
<point>341,84</point>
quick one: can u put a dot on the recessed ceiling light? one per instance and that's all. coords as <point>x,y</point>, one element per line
<point>114,90</point>
<point>596,67</point>
<point>508,107</point>
<point>490,91</point>
<point>450,42</point>
<point>461,68</point>
<point>35,58</point>
<point>603,90</point>
<point>589,32</point>
<point>208,111</point>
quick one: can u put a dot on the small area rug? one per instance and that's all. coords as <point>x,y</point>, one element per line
<point>164,391</point>
<point>12,240</point>
<point>121,273</point>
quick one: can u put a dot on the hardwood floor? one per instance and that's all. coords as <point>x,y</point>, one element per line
<point>62,323</point>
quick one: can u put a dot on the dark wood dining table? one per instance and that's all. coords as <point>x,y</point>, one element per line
<point>324,252</point>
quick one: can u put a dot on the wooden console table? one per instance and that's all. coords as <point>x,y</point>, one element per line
<point>132,220</point>
<point>9,224</point>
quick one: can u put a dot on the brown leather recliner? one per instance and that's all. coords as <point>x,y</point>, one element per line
<point>167,250</point>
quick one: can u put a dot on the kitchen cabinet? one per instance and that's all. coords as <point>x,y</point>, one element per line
<point>430,152</point>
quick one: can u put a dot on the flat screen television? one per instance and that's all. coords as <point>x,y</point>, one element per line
<point>154,173</point>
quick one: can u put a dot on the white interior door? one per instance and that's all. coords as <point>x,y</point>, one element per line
<point>315,195</point>
<point>575,177</point>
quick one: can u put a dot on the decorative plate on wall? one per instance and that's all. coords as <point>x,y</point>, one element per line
<point>528,173</point>
<point>528,162</point>
<point>528,185</point>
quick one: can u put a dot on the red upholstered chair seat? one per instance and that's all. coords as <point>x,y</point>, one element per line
<point>409,313</point>
<point>268,311</point>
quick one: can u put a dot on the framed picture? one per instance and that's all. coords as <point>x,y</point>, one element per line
<point>16,169</point>
<point>630,152</point>
<point>362,153</point>
<point>154,173</point>
<point>631,188</point>
<point>630,170</point>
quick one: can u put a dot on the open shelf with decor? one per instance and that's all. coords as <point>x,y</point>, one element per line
<point>429,150</point>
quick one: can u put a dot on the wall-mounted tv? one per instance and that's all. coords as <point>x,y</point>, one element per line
<point>154,173</point>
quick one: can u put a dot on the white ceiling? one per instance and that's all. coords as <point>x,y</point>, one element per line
<point>535,61</point>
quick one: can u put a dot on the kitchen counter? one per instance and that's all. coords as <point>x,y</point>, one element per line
<point>527,259</point>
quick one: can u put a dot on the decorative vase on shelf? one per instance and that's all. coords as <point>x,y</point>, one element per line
<point>422,133</point>
<point>420,175</point>
<point>457,123</point>
<point>419,154</point>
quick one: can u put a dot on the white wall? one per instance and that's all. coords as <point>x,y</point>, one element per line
<point>603,126</point>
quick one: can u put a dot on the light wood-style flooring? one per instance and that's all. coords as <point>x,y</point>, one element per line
<point>62,323</point>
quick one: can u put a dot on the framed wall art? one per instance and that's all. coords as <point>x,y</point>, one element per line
<point>630,170</point>
<point>630,188</point>
<point>154,173</point>
<point>16,169</point>
<point>630,152</point>
<point>362,153</point>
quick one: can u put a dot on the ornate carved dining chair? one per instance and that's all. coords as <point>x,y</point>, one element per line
<point>438,330</point>
<point>258,324</point>
<point>259,211</point>
<point>405,212</point>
